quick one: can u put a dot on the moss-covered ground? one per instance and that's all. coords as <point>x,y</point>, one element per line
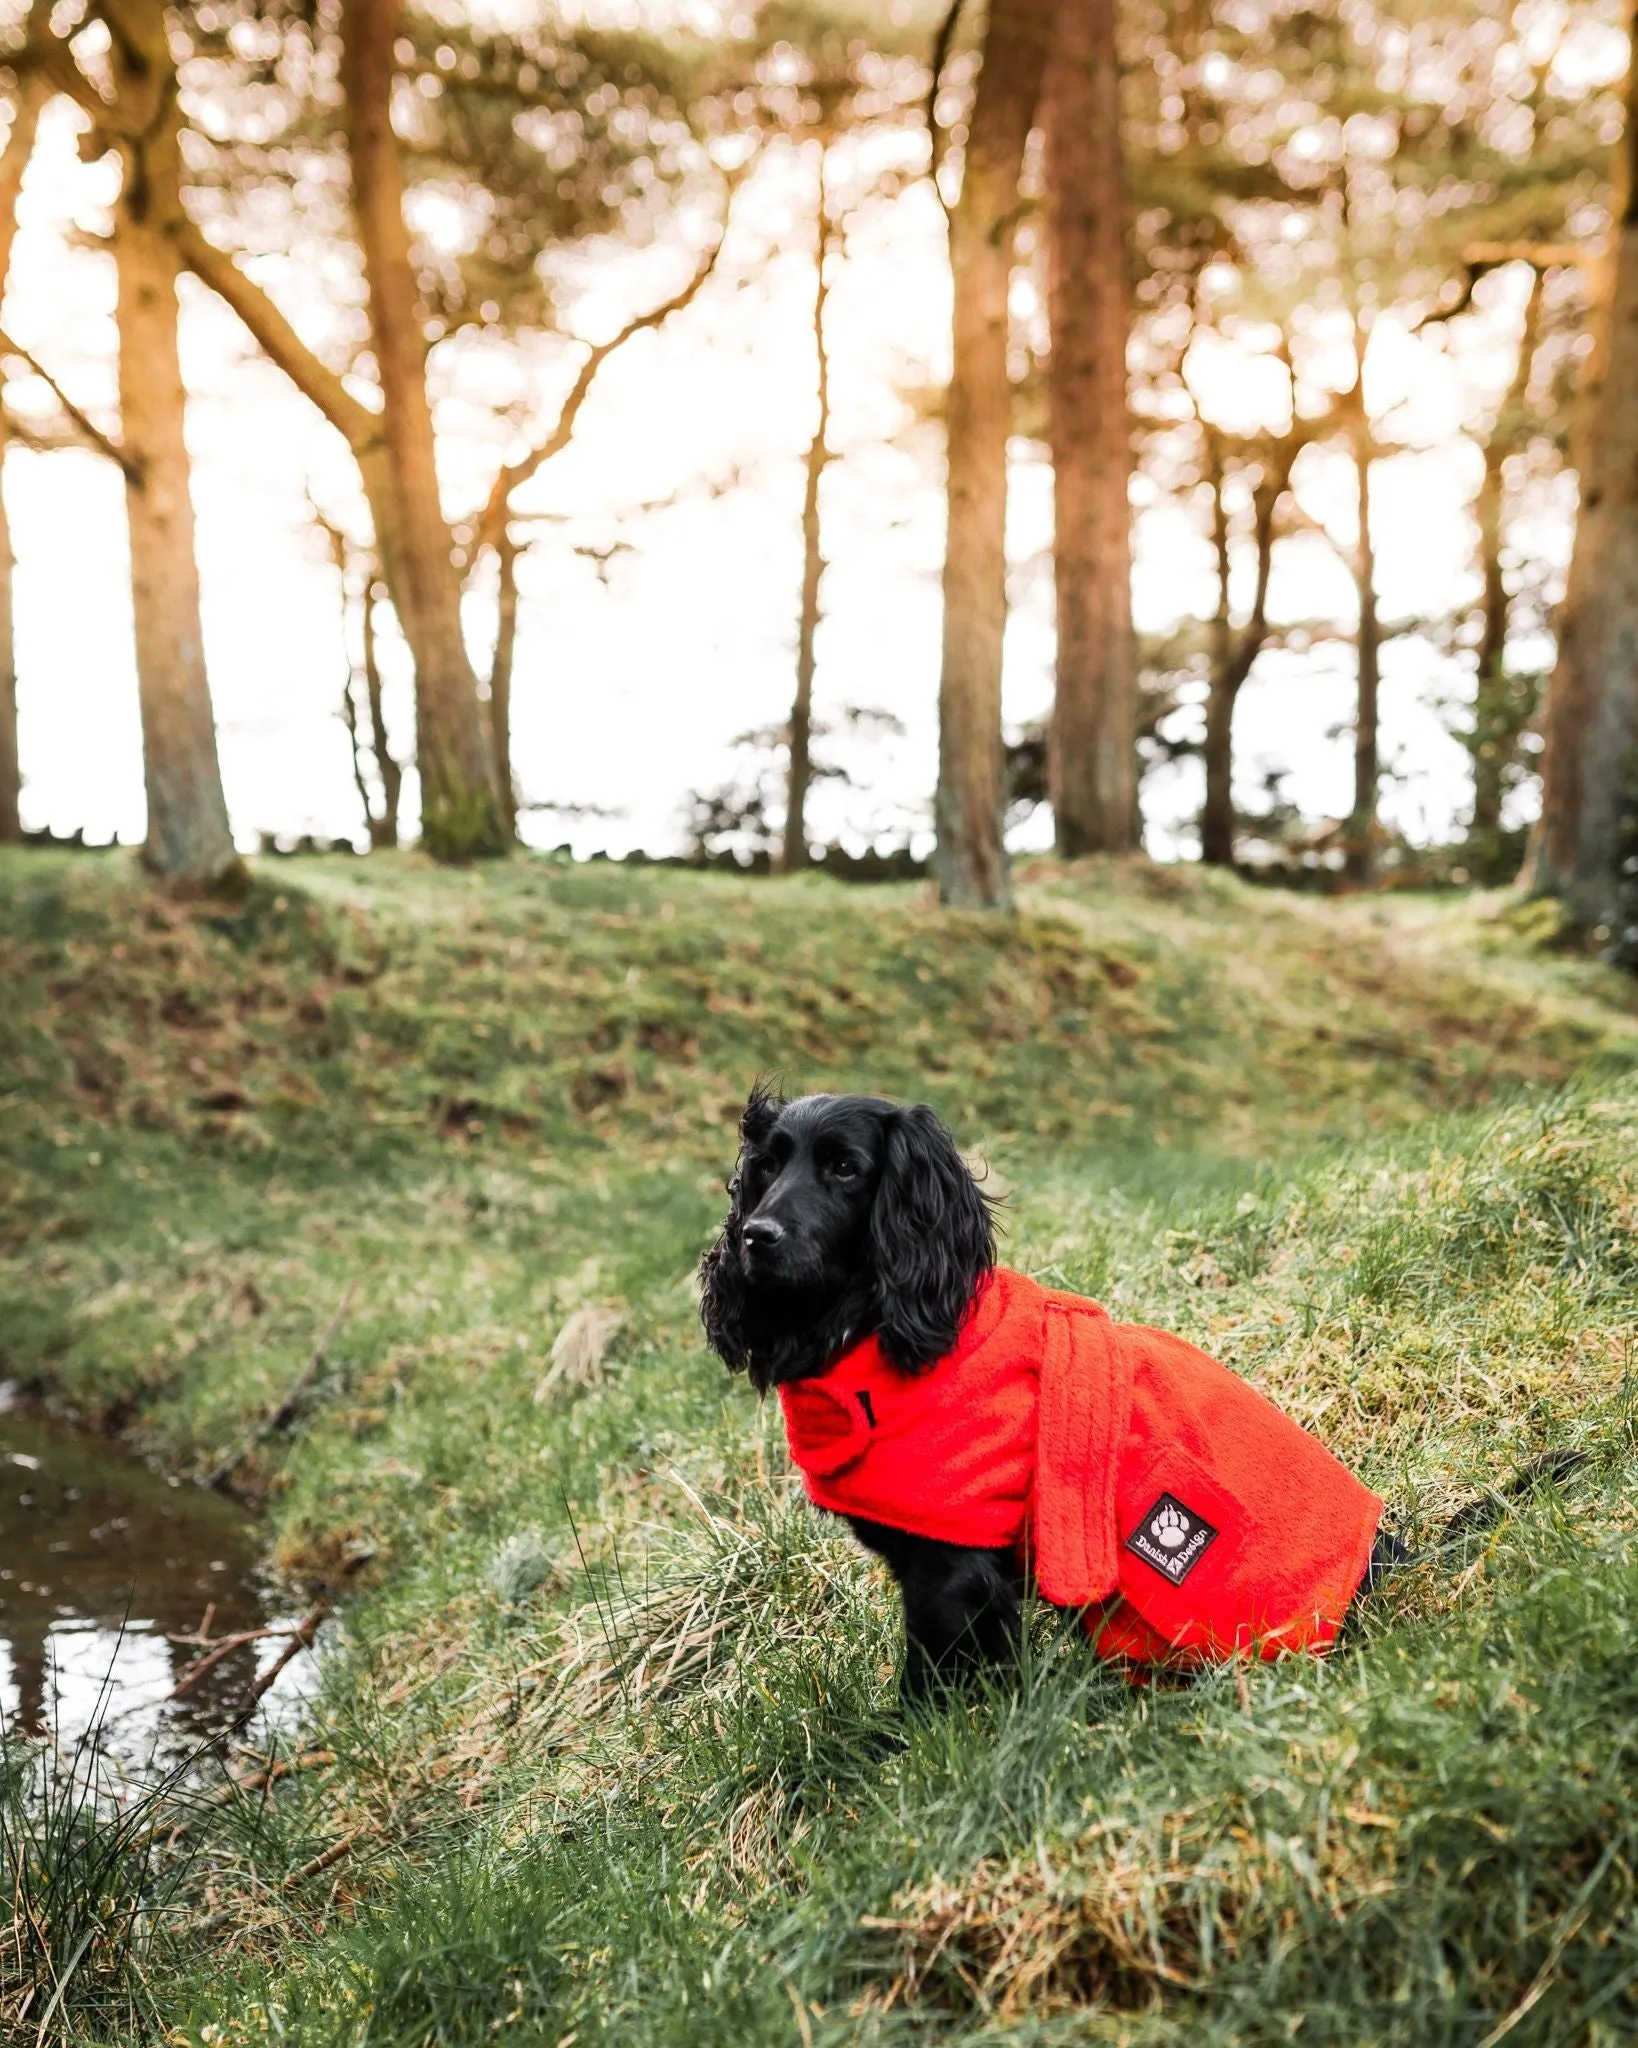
<point>609,1715</point>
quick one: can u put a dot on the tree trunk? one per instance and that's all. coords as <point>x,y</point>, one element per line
<point>188,841</point>
<point>1367,750</point>
<point>1217,814</point>
<point>793,852</point>
<point>971,860</point>
<point>11,778</point>
<point>1488,760</point>
<point>1235,654</point>
<point>355,741</point>
<point>500,677</point>
<point>25,119</point>
<point>460,810</point>
<point>383,830</point>
<point>1495,727</point>
<point>341,561</point>
<point>1590,719</point>
<point>1092,758</point>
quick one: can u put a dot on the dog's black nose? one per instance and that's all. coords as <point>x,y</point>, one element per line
<point>763,1232</point>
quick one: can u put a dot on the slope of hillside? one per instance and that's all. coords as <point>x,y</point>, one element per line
<point>611,1727</point>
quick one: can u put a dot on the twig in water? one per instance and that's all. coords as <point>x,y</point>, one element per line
<point>301,1638</point>
<point>195,1671</point>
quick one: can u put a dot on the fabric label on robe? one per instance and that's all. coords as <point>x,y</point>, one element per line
<point>1172,1538</point>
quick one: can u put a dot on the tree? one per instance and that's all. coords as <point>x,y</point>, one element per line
<point>507,550</point>
<point>1590,718</point>
<point>496,139</point>
<point>1234,649</point>
<point>1092,761</point>
<point>1495,732</point>
<point>1362,827</point>
<point>793,849</point>
<point>493,529</point>
<point>357,580</point>
<point>30,97</point>
<point>971,857</point>
<point>832,79</point>
<point>460,802</point>
<point>1373,180</point>
<point>189,842</point>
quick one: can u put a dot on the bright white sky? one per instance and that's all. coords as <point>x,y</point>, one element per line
<point>630,690</point>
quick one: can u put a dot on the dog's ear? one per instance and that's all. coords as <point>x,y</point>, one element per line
<point>932,1239</point>
<point>722,1274</point>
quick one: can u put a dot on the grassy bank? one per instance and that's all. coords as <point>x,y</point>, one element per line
<point>608,1719</point>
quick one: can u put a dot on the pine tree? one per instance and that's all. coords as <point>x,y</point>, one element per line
<point>1407,151</point>
<point>495,107</point>
<point>139,119</point>
<point>1581,845</point>
<point>1093,743</point>
<point>971,857</point>
<point>28,98</point>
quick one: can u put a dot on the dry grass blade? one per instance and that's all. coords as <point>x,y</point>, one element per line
<point>754,1569</point>
<point>579,1349</point>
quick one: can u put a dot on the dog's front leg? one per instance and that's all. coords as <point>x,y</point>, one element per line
<point>962,1611</point>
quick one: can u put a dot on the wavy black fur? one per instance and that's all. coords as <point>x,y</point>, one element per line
<point>897,1249</point>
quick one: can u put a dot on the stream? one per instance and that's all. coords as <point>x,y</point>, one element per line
<point>104,1565</point>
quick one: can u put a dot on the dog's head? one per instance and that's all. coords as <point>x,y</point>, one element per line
<point>846,1215</point>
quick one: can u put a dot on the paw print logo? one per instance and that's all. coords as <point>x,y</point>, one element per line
<point>1169,1528</point>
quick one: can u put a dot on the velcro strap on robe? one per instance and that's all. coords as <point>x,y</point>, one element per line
<point>1085,1402</point>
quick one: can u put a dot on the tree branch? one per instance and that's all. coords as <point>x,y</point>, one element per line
<point>938,138</point>
<point>1544,255</point>
<point>92,432</point>
<point>50,58</point>
<point>273,334</point>
<point>32,94</point>
<point>516,474</point>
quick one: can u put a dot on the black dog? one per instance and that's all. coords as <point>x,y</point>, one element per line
<point>850,1216</point>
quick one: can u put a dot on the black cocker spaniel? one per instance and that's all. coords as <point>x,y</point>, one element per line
<point>851,1216</point>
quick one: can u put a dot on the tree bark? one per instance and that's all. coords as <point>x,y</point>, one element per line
<point>1217,814</point>
<point>355,741</point>
<point>382,824</point>
<point>1495,725</point>
<point>1590,719</point>
<point>341,561</point>
<point>971,859</point>
<point>189,842</point>
<point>385,832</point>
<point>460,809</point>
<point>500,676</point>
<point>793,852</point>
<point>1235,654</point>
<point>11,778</point>
<point>1092,757</point>
<point>25,120</point>
<point>1368,643</point>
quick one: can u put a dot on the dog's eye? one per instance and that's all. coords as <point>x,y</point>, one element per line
<point>842,1169</point>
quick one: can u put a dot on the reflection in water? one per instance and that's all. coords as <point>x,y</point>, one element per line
<point>103,1565</point>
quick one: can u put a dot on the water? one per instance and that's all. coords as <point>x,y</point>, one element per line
<point>103,1565</point>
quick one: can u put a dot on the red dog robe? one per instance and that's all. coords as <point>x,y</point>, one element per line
<point>1138,1478</point>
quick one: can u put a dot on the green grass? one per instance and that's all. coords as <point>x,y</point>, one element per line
<point>611,1716</point>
